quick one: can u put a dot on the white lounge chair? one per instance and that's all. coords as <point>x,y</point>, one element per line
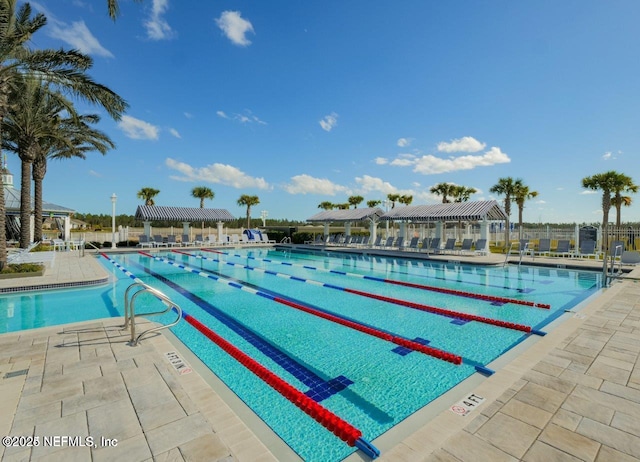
<point>158,241</point>
<point>144,241</point>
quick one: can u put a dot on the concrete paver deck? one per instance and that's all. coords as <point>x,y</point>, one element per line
<point>572,395</point>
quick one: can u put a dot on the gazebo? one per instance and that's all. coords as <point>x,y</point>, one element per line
<point>479,211</point>
<point>348,216</point>
<point>62,215</point>
<point>186,215</point>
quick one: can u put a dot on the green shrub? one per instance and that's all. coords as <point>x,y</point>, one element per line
<point>22,268</point>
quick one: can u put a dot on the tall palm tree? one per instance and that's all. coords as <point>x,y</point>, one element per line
<point>325,205</point>
<point>65,69</point>
<point>248,201</point>
<point>147,195</point>
<point>521,194</point>
<point>202,193</point>
<point>508,187</point>
<point>405,199</point>
<point>114,8</point>
<point>444,190</point>
<point>355,201</point>
<point>34,117</point>
<point>461,193</point>
<point>625,185</point>
<point>610,182</point>
<point>82,139</point>
<point>393,198</point>
<point>373,203</point>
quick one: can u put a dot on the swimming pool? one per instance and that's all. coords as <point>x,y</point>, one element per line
<point>274,306</point>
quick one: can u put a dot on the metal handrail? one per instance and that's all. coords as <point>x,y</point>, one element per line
<point>506,258</point>
<point>285,240</point>
<point>130,312</point>
<point>613,259</point>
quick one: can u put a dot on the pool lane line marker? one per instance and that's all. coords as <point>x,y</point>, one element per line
<point>396,301</point>
<point>389,337</point>
<point>459,293</point>
<point>335,424</point>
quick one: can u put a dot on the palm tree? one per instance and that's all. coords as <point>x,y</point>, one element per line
<point>64,69</point>
<point>462,193</point>
<point>508,187</point>
<point>444,190</point>
<point>355,201</point>
<point>405,199</point>
<point>393,198</point>
<point>521,194</point>
<point>248,201</point>
<point>325,205</point>
<point>202,193</point>
<point>373,203</point>
<point>114,8</point>
<point>625,185</point>
<point>610,182</point>
<point>147,195</point>
<point>82,138</point>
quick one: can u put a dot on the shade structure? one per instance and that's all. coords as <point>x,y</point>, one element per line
<point>157,212</point>
<point>466,211</point>
<point>347,215</point>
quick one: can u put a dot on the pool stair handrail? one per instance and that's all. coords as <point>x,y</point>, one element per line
<point>130,311</point>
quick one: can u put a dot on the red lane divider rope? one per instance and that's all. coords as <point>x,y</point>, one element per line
<point>410,344</point>
<point>444,312</point>
<point>462,293</point>
<point>339,427</point>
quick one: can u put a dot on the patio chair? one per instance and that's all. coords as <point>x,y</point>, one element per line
<point>145,241</point>
<point>399,242</point>
<point>587,248</point>
<point>619,245</point>
<point>234,239</point>
<point>388,243</point>
<point>563,248</point>
<point>265,238</point>
<point>365,241</point>
<point>158,241</point>
<point>544,247</point>
<point>450,245</point>
<point>198,240</point>
<point>413,244</point>
<point>186,241</point>
<point>377,242</point>
<point>59,244</point>
<point>171,241</point>
<point>431,245</point>
<point>481,247</point>
<point>466,246</point>
<point>630,257</point>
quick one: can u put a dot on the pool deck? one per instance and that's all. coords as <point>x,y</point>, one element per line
<point>573,394</point>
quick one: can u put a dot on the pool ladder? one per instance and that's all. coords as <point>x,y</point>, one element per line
<point>130,311</point>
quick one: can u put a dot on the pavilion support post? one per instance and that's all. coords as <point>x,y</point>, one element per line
<point>347,228</point>
<point>326,229</point>
<point>484,234</point>
<point>186,229</point>
<point>147,228</point>
<point>373,227</point>
<point>439,230</point>
<point>220,232</point>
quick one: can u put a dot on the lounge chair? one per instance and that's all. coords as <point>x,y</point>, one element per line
<point>613,246</point>
<point>481,247</point>
<point>145,241</point>
<point>377,242</point>
<point>388,244</point>
<point>171,241</point>
<point>186,241</point>
<point>265,238</point>
<point>431,245</point>
<point>413,244</point>
<point>158,241</point>
<point>466,245</point>
<point>365,241</point>
<point>630,257</point>
<point>198,240</point>
<point>450,245</point>
<point>587,248</point>
<point>563,248</point>
<point>59,244</point>
<point>234,239</point>
<point>399,242</point>
<point>347,240</point>
<point>544,247</point>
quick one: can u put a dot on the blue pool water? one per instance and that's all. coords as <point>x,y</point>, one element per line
<point>369,382</point>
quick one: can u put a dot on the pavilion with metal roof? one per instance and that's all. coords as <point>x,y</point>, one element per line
<point>348,216</point>
<point>187,215</point>
<point>454,211</point>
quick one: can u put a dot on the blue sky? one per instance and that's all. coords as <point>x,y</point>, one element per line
<point>304,102</point>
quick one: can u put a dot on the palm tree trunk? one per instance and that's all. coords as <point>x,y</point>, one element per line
<point>38,173</point>
<point>3,220</point>
<point>520,221</point>
<point>25,205</point>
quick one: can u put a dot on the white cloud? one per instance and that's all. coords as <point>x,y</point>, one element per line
<point>175,133</point>
<point>404,160</point>
<point>381,160</point>
<point>157,27</point>
<point>248,117</point>
<point>607,155</point>
<point>404,142</point>
<point>94,173</point>
<point>464,144</point>
<point>368,184</point>
<point>589,191</point>
<point>235,27</point>
<point>138,129</point>
<point>223,174</point>
<point>306,184</point>
<point>430,164</point>
<point>188,115</point>
<point>222,114</point>
<point>329,121</point>
<point>79,37</point>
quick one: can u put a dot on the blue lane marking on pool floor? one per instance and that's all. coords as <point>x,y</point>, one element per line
<point>306,376</point>
<point>402,351</point>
